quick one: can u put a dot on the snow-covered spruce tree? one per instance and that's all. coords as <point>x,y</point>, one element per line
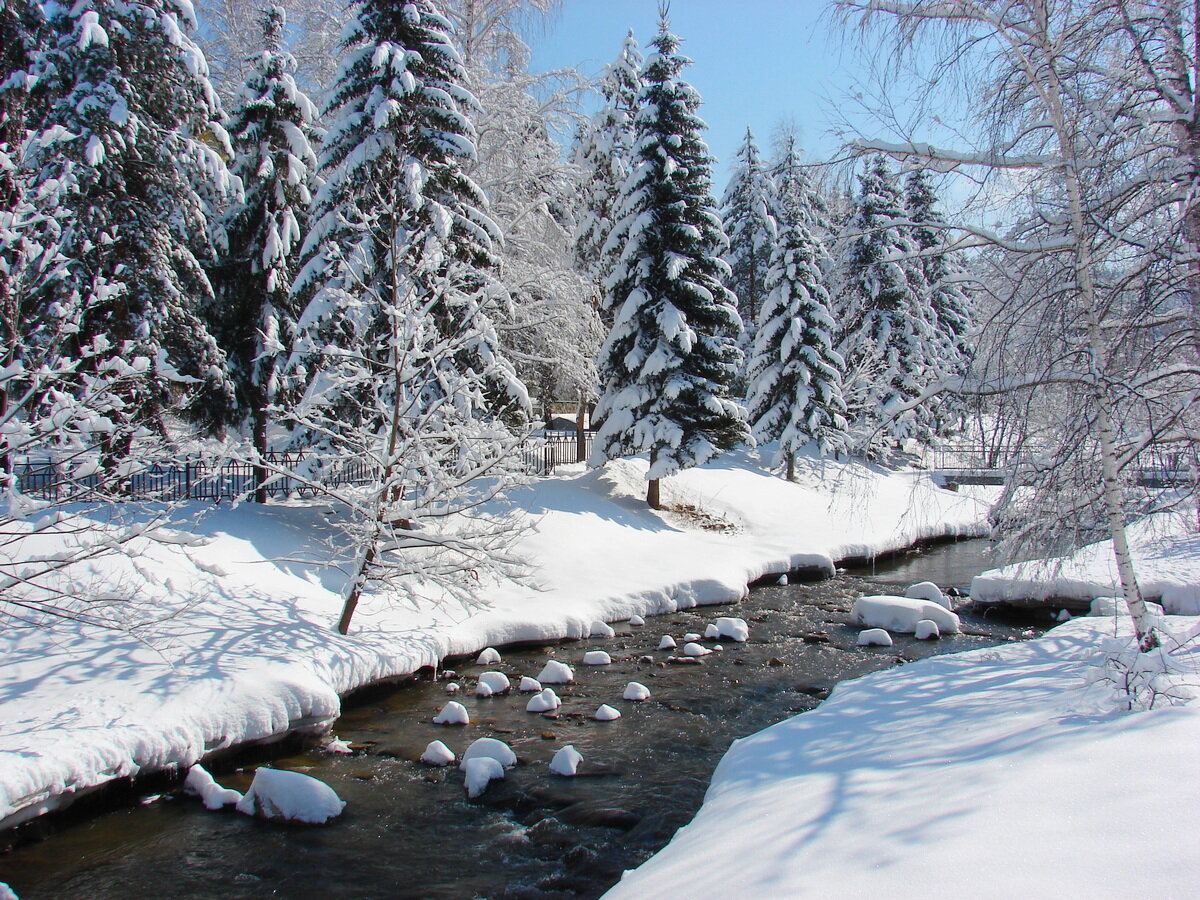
<point>672,352</point>
<point>795,373</point>
<point>395,347</point>
<point>115,159</point>
<point>604,156</point>
<point>258,239</point>
<point>746,211</point>
<point>947,281</point>
<point>888,339</point>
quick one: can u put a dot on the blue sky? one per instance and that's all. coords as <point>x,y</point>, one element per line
<point>755,62</point>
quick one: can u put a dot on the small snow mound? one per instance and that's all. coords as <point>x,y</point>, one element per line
<point>546,701</point>
<point>711,632</point>
<point>556,672</point>
<point>693,649</point>
<point>481,771</point>
<point>1107,606</point>
<point>927,590</point>
<point>453,687</point>
<point>1064,615</point>
<point>453,713</point>
<point>597,658</point>
<point>635,690</point>
<point>717,648</point>
<point>926,630</point>
<point>566,761</point>
<point>529,685</point>
<point>606,713</point>
<point>602,630</point>
<point>782,579</point>
<point>494,682</point>
<point>336,745</point>
<point>733,628</point>
<point>438,754</point>
<point>489,657</point>
<point>875,637</point>
<point>492,749</point>
<point>901,614</point>
<point>692,636</point>
<point>282,796</point>
<point>636,621</point>
<point>201,784</point>
<point>667,643</point>
<point>1182,599</point>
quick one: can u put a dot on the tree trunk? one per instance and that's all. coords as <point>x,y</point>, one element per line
<point>653,499</point>
<point>259,440</point>
<point>791,467</point>
<point>580,432</point>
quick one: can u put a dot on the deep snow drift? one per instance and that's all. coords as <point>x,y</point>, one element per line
<point>994,773</point>
<point>243,645</point>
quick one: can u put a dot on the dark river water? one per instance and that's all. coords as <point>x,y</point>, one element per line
<point>409,831</point>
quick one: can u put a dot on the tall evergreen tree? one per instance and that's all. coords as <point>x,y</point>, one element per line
<point>604,155</point>
<point>747,213</point>
<point>795,372</point>
<point>672,353</point>
<point>888,341</point>
<point>115,161</point>
<point>258,239</point>
<point>395,344</point>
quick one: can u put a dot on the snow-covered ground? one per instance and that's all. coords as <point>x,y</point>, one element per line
<point>996,773</point>
<point>242,646</point>
<point>1166,552</point>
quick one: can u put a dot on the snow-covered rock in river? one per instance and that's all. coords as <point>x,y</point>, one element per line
<point>282,796</point>
<point>481,771</point>
<point>201,784</point>
<point>733,628</point>
<point>453,687</point>
<point>438,754</point>
<point>711,632</point>
<point>783,579</point>
<point>453,713</point>
<point>529,685</point>
<point>489,657</point>
<point>546,701</point>
<point>875,637</point>
<point>692,636</point>
<point>926,630</point>
<point>566,761</point>
<point>493,682</point>
<point>336,745</point>
<point>556,672</point>
<point>667,643</point>
<point>490,748</point>
<point>901,614</point>
<point>606,713</point>
<point>7,893</point>
<point>596,658</point>
<point>636,621</point>
<point>927,590</point>
<point>602,630</point>
<point>693,649</point>
<point>635,690</point>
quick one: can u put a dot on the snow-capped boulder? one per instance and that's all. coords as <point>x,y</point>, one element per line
<point>278,795</point>
<point>733,628</point>
<point>438,754</point>
<point>337,746</point>
<point>494,683</point>
<point>453,687</point>
<point>202,785</point>
<point>453,713</point>
<point>782,579</point>
<point>606,713</point>
<point>636,621</point>
<point>566,761</point>
<point>490,748</point>
<point>529,685</point>
<point>602,630</point>
<point>926,630</point>
<point>635,690</point>
<point>694,649</point>
<point>596,658</point>
<point>556,672</point>
<point>874,637</point>
<point>901,614</point>
<point>1064,615</point>
<point>546,701</point>
<point>692,636</point>
<point>667,643</point>
<point>927,590</point>
<point>711,632</point>
<point>489,657</point>
<point>481,771</point>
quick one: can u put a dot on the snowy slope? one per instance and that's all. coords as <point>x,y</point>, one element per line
<point>996,773</point>
<point>244,648</point>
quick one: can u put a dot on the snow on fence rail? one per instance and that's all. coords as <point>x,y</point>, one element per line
<point>198,478</point>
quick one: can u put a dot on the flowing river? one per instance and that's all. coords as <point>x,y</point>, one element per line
<point>409,831</point>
